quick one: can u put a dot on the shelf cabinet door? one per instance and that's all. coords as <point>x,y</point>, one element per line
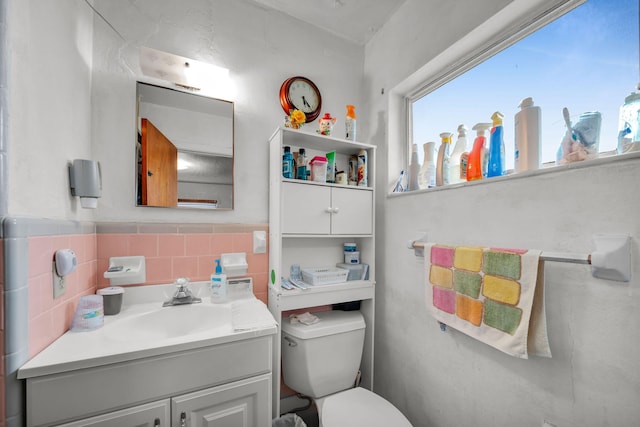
<point>311,209</point>
<point>154,414</point>
<point>353,211</point>
<point>305,209</point>
<point>245,403</point>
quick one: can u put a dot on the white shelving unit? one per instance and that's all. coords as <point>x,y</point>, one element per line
<point>308,224</point>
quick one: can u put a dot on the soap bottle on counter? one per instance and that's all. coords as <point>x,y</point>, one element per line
<point>496,166</point>
<point>475,162</point>
<point>218,285</point>
<point>414,169</point>
<point>442,165</point>
<point>456,174</point>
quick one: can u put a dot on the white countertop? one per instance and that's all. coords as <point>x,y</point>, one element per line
<point>250,318</point>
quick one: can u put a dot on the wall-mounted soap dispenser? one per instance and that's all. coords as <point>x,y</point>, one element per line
<point>85,179</point>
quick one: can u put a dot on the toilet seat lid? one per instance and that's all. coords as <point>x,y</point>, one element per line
<point>359,407</point>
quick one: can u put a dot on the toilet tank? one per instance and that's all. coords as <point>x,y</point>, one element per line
<point>323,358</point>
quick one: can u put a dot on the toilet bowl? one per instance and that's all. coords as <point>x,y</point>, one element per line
<point>359,407</point>
<point>322,361</point>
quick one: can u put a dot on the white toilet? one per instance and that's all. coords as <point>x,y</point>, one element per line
<point>322,360</point>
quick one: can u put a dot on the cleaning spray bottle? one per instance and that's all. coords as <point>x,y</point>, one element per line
<point>414,169</point>
<point>442,167</point>
<point>427,175</point>
<point>474,164</point>
<point>496,147</point>
<point>350,123</point>
<point>218,285</point>
<point>455,173</point>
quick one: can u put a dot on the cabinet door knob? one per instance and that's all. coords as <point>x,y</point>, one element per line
<point>336,210</point>
<point>156,422</point>
<point>329,210</point>
<point>183,419</point>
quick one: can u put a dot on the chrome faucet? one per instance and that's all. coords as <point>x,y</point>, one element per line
<point>183,295</point>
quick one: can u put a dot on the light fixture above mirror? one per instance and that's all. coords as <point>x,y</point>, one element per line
<point>186,73</point>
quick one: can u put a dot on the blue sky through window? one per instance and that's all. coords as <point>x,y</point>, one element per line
<point>586,60</point>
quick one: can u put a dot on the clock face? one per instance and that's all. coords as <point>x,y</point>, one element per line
<point>302,94</point>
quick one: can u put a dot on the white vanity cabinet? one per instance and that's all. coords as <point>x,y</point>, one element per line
<point>156,414</point>
<point>243,403</point>
<point>309,222</point>
<point>224,384</point>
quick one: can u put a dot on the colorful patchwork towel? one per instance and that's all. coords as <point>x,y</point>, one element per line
<point>493,295</point>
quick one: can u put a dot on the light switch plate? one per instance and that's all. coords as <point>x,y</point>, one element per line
<point>259,242</point>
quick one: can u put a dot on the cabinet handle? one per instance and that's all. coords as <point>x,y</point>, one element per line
<point>332,210</point>
<point>329,210</point>
<point>336,210</point>
<point>183,419</point>
<point>156,422</point>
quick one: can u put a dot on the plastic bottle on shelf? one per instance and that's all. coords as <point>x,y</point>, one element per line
<point>362,168</point>
<point>350,123</point>
<point>442,166</point>
<point>218,285</point>
<point>496,166</point>
<point>287,163</point>
<point>464,161</point>
<point>427,175</point>
<point>474,164</point>
<point>527,125</point>
<point>414,169</point>
<point>456,173</point>
<point>301,165</point>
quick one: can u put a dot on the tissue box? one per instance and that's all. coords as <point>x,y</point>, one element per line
<point>356,271</point>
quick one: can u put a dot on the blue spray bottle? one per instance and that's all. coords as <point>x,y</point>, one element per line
<point>495,165</point>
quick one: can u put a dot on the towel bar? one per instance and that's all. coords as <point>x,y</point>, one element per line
<point>611,261</point>
<point>546,256</point>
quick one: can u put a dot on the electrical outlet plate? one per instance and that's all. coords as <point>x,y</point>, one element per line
<point>59,286</point>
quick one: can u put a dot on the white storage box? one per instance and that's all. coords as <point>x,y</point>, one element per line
<point>324,275</point>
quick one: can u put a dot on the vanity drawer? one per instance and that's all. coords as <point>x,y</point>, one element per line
<point>64,397</point>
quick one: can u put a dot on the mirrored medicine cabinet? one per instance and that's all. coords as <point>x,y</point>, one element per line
<point>184,149</point>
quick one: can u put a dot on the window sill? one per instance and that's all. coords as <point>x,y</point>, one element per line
<point>545,170</point>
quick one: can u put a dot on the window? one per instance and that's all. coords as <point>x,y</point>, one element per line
<point>585,60</point>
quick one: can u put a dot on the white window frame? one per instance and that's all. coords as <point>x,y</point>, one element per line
<point>513,23</point>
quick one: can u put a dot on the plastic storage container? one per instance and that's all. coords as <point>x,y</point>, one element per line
<point>318,167</point>
<point>356,271</point>
<point>112,299</point>
<point>324,275</point>
<point>89,314</point>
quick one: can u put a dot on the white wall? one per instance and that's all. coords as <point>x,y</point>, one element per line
<point>449,379</point>
<point>261,49</point>
<point>49,85</point>
<point>72,86</point>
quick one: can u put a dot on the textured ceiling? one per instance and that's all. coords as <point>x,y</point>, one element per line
<point>355,20</point>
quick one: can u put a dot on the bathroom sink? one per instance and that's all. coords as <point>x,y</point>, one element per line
<point>172,322</point>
